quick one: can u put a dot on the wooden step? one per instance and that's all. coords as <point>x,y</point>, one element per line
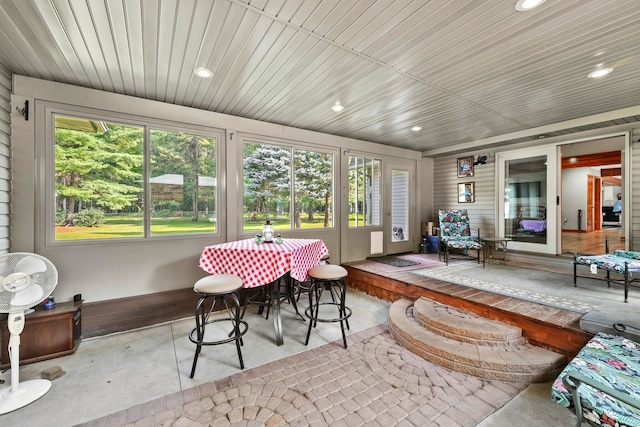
<point>548,327</point>
<point>509,362</point>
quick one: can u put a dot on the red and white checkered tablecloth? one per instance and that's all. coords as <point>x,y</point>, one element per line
<point>260,264</point>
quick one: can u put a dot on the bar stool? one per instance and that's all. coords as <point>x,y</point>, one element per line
<point>219,287</point>
<point>304,286</point>
<point>332,278</point>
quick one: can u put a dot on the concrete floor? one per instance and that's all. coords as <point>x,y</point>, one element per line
<point>112,373</point>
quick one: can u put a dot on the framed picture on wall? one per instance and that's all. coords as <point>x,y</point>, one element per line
<point>465,167</point>
<point>466,192</point>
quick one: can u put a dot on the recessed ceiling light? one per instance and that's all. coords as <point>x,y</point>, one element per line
<point>337,107</point>
<point>600,72</point>
<point>416,128</point>
<point>524,5</point>
<point>203,72</point>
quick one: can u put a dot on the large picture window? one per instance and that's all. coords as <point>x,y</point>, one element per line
<point>183,183</point>
<point>365,187</point>
<point>101,189</point>
<point>313,181</point>
<point>291,187</point>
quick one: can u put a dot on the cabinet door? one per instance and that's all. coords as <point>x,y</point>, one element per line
<point>45,335</point>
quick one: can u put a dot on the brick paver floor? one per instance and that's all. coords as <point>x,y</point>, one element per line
<point>375,381</point>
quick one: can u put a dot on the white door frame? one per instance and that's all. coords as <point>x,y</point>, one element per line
<point>550,151</point>
<point>393,246</point>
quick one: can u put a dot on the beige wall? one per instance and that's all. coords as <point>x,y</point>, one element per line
<point>108,270</point>
<point>115,270</point>
<point>482,212</point>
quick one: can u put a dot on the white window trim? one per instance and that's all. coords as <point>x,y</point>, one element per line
<point>369,156</point>
<point>293,145</point>
<point>45,161</point>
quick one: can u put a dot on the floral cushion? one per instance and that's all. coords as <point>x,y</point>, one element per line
<point>464,244</point>
<point>449,238</point>
<point>454,223</point>
<point>611,360</point>
<point>610,262</point>
<point>627,254</point>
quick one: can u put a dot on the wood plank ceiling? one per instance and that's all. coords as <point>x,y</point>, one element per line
<point>462,70</point>
<point>599,159</point>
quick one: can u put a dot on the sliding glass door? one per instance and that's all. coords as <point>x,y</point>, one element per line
<point>527,181</point>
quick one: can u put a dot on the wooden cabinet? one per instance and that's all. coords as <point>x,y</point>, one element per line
<point>47,334</point>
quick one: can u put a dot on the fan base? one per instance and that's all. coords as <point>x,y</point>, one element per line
<point>28,392</point>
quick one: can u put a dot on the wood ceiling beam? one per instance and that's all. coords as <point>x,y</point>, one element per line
<point>611,172</point>
<point>612,180</point>
<point>599,159</point>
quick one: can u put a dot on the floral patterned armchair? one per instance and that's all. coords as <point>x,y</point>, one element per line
<point>454,232</point>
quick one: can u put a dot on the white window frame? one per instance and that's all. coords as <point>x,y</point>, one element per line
<point>380,202</point>
<point>45,172</point>
<point>291,145</point>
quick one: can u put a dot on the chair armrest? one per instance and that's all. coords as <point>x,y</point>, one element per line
<point>627,330</point>
<point>574,381</point>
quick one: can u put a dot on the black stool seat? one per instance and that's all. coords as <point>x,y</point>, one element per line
<point>333,279</point>
<point>220,288</point>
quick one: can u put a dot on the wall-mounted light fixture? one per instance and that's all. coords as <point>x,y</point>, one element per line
<point>24,112</point>
<point>481,160</point>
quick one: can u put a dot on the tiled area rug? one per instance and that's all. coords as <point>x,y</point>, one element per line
<point>374,382</point>
<point>511,281</point>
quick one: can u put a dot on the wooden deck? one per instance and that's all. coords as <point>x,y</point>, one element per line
<point>549,327</point>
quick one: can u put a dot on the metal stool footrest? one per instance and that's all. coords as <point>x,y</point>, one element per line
<point>345,316</point>
<point>244,327</point>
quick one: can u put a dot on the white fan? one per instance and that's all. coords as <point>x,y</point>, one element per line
<point>25,280</point>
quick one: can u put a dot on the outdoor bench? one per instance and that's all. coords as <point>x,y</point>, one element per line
<point>601,385</point>
<point>622,262</point>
